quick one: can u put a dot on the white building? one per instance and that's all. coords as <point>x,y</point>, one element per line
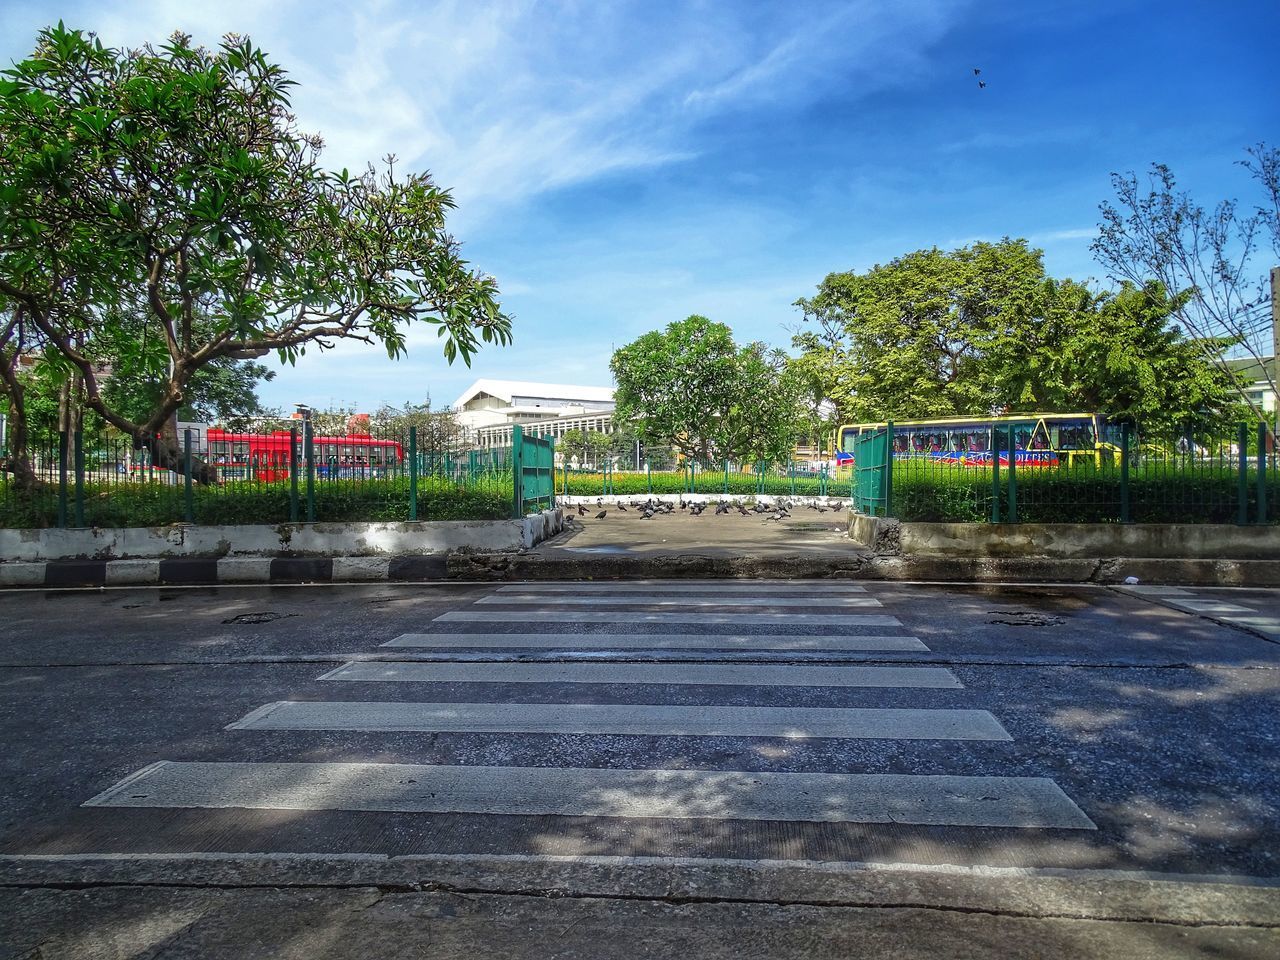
<point>490,408</point>
<point>1259,389</point>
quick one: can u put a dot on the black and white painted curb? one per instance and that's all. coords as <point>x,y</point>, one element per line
<point>188,570</point>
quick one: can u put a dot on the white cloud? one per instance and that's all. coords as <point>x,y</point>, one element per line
<point>507,99</point>
<point>1074,233</point>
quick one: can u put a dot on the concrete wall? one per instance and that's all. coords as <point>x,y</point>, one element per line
<point>288,539</point>
<point>1068,540</point>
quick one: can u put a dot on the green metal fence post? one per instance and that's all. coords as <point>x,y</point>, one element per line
<point>308,454</point>
<point>1012,513</point>
<point>1261,461</point>
<point>1125,516</point>
<point>648,476</point>
<point>413,473</point>
<point>293,474</point>
<point>726,476</point>
<point>188,498</point>
<point>888,469</point>
<point>62,478</point>
<point>517,474</point>
<point>995,473</point>
<point>79,466</point>
<point>1242,476</point>
<point>791,472</point>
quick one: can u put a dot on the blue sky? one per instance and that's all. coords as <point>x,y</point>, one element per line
<point>621,165</point>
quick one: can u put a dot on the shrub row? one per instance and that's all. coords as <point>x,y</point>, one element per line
<point>152,504</point>
<point>1082,494</point>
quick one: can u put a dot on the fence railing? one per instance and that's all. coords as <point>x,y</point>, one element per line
<point>96,478</point>
<point>1226,477</point>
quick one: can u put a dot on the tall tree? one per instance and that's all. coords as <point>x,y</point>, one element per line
<point>1220,257</point>
<point>691,387</point>
<point>172,183</point>
<point>438,431</point>
<point>983,329</point>
<point>905,339</point>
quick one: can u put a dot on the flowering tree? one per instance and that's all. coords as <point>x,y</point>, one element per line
<point>170,185</point>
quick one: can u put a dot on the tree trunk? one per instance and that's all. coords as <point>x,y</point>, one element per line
<point>17,460</point>
<point>167,452</point>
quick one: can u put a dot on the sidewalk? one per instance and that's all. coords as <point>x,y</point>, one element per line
<point>624,545</point>
<point>619,907</point>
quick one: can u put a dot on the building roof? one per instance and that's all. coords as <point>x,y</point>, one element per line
<point>1254,369</point>
<point>507,389</point>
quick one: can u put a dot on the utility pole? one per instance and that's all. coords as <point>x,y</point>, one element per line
<point>1275,349</point>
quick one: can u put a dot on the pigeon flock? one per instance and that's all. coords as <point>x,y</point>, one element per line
<point>651,508</point>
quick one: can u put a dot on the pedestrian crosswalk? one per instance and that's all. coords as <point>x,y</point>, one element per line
<point>704,636</point>
<point>1184,599</point>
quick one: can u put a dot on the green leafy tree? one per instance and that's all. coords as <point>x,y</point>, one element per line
<point>586,446</point>
<point>905,339</point>
<point>983,329</point>
<point>171,183</point>
<point>1218,258</point>
<point>692,388</point>
<point>438,430</point>
<point>595,445</point>
<point>570,445</point>
<point>1119,352</point>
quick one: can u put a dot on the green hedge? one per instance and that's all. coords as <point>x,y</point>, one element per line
<point>1079,494</point>
<point>154,504</point>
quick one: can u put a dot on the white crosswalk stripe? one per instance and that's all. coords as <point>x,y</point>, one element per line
<point>739,674</point>
<point>732,600</point>
<point>793,723</point>
<point>937,799</point>
<point>631,616</point>
<point>701,587</point>
<point>423,788</point>
<point>659,641</point>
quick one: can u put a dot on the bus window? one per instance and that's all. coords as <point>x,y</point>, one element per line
<point>1075,435</point>
<point>1040,437</point>
<point>848,436</point>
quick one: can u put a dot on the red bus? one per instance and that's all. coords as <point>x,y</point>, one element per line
<point>265,456</point>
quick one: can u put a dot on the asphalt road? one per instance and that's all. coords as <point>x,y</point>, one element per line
<point>781,769</point>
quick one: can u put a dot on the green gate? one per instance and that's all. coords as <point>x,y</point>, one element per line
<point>533,467</point>
<point>873,471</point>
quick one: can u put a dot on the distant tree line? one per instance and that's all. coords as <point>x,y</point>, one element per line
<point>984,329</point>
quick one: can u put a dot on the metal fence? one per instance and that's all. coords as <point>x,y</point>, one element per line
<point>1226,476</point>
<point>260,475</point>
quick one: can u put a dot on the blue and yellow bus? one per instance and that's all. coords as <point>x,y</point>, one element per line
<point>1039,439</point>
